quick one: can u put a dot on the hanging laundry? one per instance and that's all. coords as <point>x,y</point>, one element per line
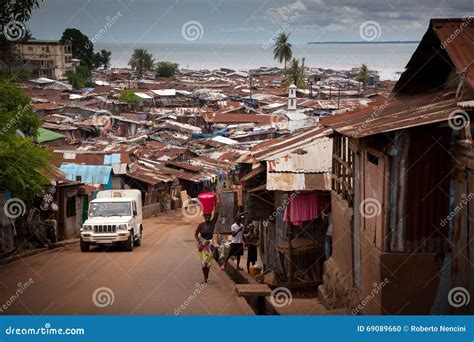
<point>304,207</point>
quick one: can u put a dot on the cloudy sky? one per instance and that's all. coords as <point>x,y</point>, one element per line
<point>242,21</point>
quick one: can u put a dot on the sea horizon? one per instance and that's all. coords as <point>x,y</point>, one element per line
<point>389,59</point>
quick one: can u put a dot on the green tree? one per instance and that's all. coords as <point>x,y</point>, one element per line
<point>97,60</point>
<point>81,78</point>
<point>363,74</point>
<point>14,10</point>
<point>82,47</point>
<point>166,69</point>
<point>102,59</point>
<point>129,97</point>
<point>105,58</point>
<point>75,80</point>
<point>282,48</point>
<point>22,162</point>
<point>141,61</point>
<point>295,74</point>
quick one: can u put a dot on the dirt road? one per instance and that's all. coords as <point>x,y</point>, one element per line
<point>161,277</point>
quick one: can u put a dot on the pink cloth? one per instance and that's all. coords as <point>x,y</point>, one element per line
<point>304,207</point>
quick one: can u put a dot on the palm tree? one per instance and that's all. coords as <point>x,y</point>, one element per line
<point>282,49</point>
<point>295,74</point>
<point>105,58</point>
<point>141,61</point>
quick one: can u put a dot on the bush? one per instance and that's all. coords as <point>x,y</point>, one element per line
<point>166,69</point>
<point>129,97</point>
<point>23,75</point>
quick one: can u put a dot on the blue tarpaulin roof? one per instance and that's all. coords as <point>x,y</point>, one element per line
<point>92,174</point>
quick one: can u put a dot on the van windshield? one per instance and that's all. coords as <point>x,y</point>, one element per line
<point>105,209</point>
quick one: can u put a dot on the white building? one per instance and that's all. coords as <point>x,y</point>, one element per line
<point>44,58</point>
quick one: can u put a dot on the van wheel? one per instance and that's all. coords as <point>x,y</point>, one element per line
<point>84,246</point>
<point>129,242</point>
<point>138,241</point>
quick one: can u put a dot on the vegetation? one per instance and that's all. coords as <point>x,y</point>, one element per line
<point>282,48</point>
<point>363,74</point>
<point>102,59</point>
<point>23,75</point>
<point>81,78</point>
<point>141,61</point>
<point>22,162</point>
<point>82,47</point>
<point>129,97</point>
<point>295,74</point>
<point>166,69</point>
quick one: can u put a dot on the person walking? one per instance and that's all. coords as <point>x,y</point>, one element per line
<point>237,244</point>
<point>203,235</point>
<point>251,241</point>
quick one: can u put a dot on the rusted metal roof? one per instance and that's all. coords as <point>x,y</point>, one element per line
<point>447,44</point>
<point>394,114</point>
<point>241,118</point>
<point>313,157</point>
<point>285,181</point>
<point>457,37</point>
<point>276,148</point>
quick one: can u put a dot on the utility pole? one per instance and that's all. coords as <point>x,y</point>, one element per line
<point>250,85</point>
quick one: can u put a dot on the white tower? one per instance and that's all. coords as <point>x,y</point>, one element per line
<point>292,97</point>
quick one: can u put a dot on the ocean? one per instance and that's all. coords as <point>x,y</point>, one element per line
<point>388,59</point>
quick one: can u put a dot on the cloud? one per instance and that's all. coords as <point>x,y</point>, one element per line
<point>348,15</point>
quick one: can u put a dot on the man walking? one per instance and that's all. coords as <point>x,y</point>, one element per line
<point>251,241</point>
<point>237,245</point>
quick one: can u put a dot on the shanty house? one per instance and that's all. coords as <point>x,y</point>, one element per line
<point>401,187</point>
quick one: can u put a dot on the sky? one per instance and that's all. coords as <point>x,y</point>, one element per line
<point>242,21</point>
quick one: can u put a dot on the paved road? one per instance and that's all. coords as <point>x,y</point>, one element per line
<point>161,277</point>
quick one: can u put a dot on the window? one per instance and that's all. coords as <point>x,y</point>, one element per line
<point>343,168</point>
<point>71,206</point>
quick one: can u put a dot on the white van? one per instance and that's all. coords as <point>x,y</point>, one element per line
<point>114,217</point>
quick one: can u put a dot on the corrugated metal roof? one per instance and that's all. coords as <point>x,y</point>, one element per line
<point>457,36</point>
<point>276,148</point>
<point>447,44</point>
<point>241,118</point>
<point>312,158</point>
<point>394,114</point>
<point>284,181</point>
